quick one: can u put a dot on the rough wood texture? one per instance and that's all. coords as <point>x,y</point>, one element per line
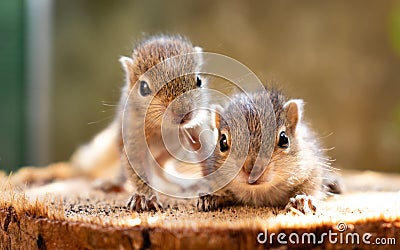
<point>75,216</point>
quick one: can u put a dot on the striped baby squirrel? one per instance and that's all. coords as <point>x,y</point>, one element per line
<point>297,167</point>
<point>158,88</point>
<point>158,83</point>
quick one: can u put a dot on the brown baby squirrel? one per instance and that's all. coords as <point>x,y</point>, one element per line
<point>160,79</point>
<point>296,168</point>
<point>154,90</point>
<point>161,84</point>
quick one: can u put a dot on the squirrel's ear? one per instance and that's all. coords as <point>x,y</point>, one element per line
<point>198,49</point>
<point>127,65</point>
<point>126,62</point>
<point>293,111</point>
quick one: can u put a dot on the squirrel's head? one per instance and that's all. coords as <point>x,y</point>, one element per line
<point>242,148</point>
<point>161,77</point>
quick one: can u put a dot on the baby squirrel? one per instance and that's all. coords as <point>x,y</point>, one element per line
<point>297,165</point>
<point>156,77</point>
<point>155,92</point>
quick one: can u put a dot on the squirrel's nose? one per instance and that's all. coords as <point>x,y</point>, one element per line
<point>248,167</point>
<point>254,169</point>
<point>255,174</point>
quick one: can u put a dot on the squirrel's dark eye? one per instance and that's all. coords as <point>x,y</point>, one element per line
<point>283,141</point>
<point>144,88</point>
<point>223,143</point>
<point>198,82</point>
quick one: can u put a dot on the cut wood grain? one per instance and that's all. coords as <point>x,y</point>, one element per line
<point>71,214</point>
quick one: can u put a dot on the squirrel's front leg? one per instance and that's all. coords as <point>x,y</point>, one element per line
<point>302,204</point>
<point>215,201</point>
<point>144,197</point>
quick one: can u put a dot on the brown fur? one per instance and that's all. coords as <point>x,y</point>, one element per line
<point>154,61</point>
<point>296,170</point>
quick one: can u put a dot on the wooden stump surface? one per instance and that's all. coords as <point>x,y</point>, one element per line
<point>71,214</point>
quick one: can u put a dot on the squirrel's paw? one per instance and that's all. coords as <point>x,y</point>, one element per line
<point>301,204</point>
<point>139,202</point>
<point>209,202</point>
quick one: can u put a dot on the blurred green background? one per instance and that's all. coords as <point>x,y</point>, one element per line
<point>60,76</point>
